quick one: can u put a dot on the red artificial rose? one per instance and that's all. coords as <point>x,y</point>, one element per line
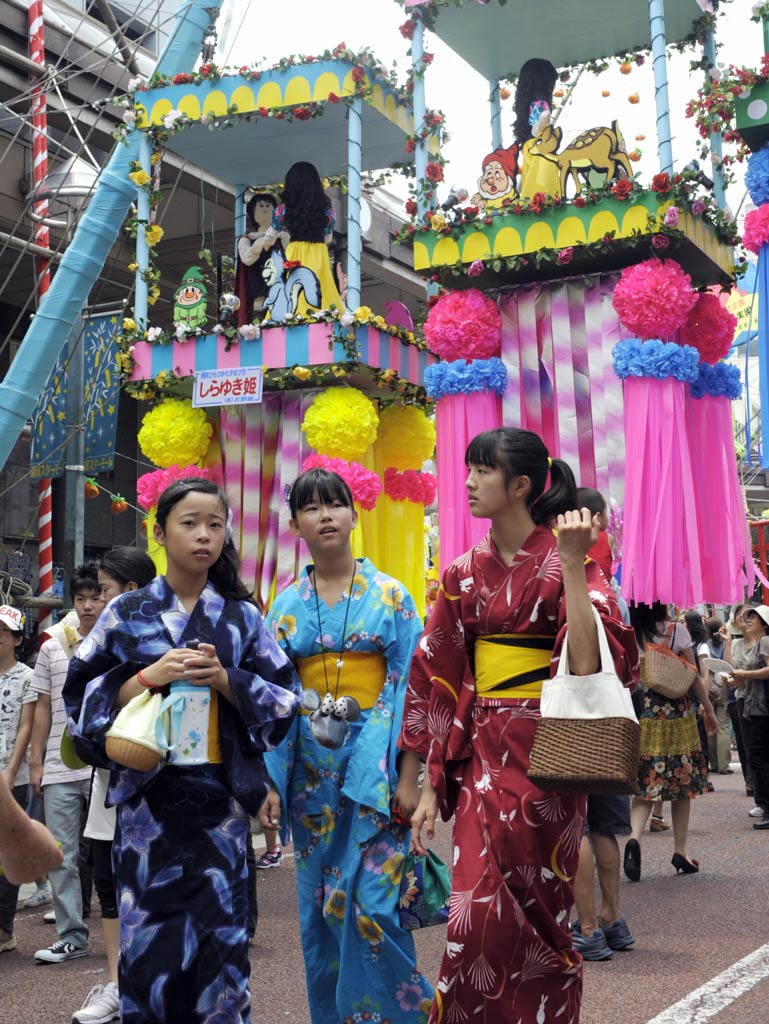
<point>410,145</point>
<point>487,221</point>
<point>357,73</point>
<point>566,255</point>
<point>579,201</point>
<point>263,112</point>
<point>434,171</point>
<point>411,208</point>
<point>182,78</point>
<point>243,69</point>
<point>470,211</point>
<point>622,189</point>
<point>537,202</point>
<point>333,98</point>
<point>206,69</point>
<point>432,299</point>
<point>427,58</point>
<point>407,29</point>
<point>661,183</point>
<point>302,114</point>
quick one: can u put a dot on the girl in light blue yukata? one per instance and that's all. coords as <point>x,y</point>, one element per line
<point>180,843</point>
<point>347,791</point>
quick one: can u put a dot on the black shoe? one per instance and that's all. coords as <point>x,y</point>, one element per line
<point>763,823</point>
<point>684,866</point>
<point>632,860</point>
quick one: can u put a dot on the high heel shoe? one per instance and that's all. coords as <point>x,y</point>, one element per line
<point>684,866</point>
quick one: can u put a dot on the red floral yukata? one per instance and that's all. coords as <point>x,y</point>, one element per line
<point>509,956</point>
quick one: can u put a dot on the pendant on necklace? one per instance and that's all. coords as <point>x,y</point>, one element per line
<point>340,664</point>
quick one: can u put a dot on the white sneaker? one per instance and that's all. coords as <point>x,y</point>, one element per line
<point>40,897</point>
<point>49,917</point>
<point>102,1005</point>
<point>756,812</point>
<point>58,952</point>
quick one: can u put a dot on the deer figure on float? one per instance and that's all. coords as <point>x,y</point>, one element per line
<point>595,151</point>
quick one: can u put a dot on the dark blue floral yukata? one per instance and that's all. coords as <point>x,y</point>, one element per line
<point>180,844</point>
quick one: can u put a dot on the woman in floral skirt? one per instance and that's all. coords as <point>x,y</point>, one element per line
<point>672,766</point>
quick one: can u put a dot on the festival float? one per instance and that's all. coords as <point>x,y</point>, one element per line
<point>586,298</point>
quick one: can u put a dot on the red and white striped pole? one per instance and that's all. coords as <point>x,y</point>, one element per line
<point>42,276</point>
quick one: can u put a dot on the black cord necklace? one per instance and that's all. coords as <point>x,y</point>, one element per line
<point>340,659</point>
<point>329,717</point>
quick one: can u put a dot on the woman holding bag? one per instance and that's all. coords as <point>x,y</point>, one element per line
<point>179,851</point>
<point>672,766</point>
<point>472,706</point>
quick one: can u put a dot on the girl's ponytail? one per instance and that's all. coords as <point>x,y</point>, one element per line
<point>561,495</point>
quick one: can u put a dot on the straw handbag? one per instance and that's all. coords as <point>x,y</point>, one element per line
<point>587,740</point>
<point>665,672</point>
<point>132,740</point>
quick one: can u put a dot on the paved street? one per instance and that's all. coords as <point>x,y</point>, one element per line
<point>689,929</point>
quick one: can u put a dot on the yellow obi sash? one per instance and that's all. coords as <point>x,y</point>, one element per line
<point>214,746</point>
<point>362,677</point>
<point>512,664</point>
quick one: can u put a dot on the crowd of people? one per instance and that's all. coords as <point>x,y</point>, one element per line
<point>341,721</point>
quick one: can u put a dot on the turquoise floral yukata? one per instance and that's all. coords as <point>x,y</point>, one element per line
<point>360,964</point>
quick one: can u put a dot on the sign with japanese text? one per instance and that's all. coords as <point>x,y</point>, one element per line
<point>235,386</point>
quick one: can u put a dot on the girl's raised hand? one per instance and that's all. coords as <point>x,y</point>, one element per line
<point>577,533</point>
<point>203,668</point>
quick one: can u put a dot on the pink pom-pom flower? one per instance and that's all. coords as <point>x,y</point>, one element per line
<point>654,298</point>
<point>410,485</point>
<point>149,486</point>
<point>364,483</point>
<point>709,328</point>
<point>756,233</point>
<point>464,325</point>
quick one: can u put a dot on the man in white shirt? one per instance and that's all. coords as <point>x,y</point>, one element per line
<point>65,790</point>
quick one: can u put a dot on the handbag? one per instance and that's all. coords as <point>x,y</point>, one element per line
<point>425,887</point>
<point>665,671</point>
<point>587,740</point>
<point>132,739</point>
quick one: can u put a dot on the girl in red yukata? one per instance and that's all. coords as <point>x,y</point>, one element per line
<point>472,705</point>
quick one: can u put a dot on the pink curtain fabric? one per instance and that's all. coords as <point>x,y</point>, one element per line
<point>556,342</point>
<point>661,543</point>
<point>727,561</point>
<point>458,418</point>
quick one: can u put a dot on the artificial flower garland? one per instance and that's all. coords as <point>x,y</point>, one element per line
<point>364,483</point>
<point>720,380</point>
<point>656,359</point>
<point>149,486</point>
<point>341,422</point>
<point>175,432</point>
<point>462,378</point>
<point>464,324</point>
<point>406,437</point>
<point>410,485</point>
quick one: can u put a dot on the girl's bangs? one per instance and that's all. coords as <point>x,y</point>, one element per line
<point>322,486</point>
<point>483,450</point>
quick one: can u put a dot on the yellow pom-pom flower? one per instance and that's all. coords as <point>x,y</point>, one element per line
<point>175,433</point>
<point>362,314</point>
<point>341,423</point>
<point>406,437</point>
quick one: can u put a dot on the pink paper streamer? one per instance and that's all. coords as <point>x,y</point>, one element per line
<point>458,419</point>
<point>661,535</point>
<point>727,558</point>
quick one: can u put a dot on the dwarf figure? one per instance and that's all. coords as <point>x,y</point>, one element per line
<point>497,182</point>
<point>190,300</point>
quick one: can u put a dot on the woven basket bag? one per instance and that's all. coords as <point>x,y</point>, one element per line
<point>665,671</point>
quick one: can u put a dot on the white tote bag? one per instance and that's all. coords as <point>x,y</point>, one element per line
<point>587,740</point>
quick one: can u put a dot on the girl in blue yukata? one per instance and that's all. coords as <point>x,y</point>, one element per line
<point>350,630</point>
<point>182,827</point>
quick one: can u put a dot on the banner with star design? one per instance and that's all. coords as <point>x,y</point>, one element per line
<point>101,384</point>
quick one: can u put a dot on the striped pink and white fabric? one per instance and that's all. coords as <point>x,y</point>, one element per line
<point>262,453</point>
<point>556,343</point>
